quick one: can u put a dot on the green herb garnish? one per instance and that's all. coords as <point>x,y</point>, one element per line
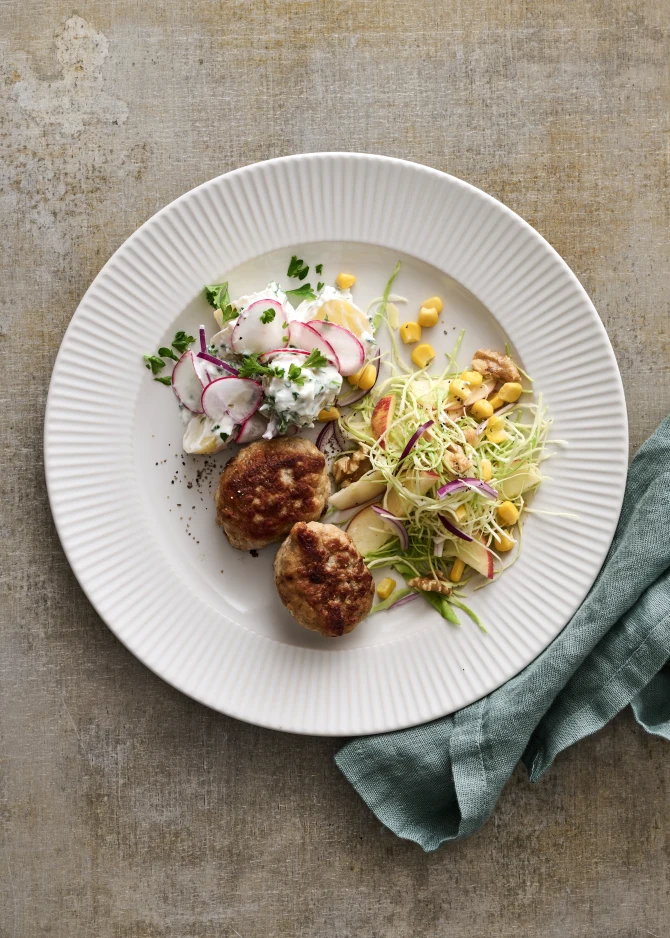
<point>182,341</point>
<point>295,374</point>
<point>315,359</point>
<point>268,315</point>
<point>167,353</point>
<point>224,436</point>
<point>319,268</point>
<point>218,296</point>
<point>251,367</point>
<point>297,268</point>
<point>305,292</point>
<point>164,379</point>
<point>319,286</point>
<point>155,363</point>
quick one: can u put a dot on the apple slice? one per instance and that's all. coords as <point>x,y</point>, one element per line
<point>358,493</point>
<point>304,337</point>
<point>420,485</point>
<point>237,398</point>
<point>189,378</point>
<point>478,394</point>
<point>516,484</point>
<point>477,556</point>
<point>382,418</point>
<point>252,429</point>
<point>367,530</point>
<point>349,350</point>
<point>261,326</point>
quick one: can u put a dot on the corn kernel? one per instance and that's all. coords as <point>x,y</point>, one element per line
<point>345,281</point>
<point>473,378</point>
<point>510,392</point>
<point>423,354</point>
<point>456,571</point>
<point>427,317</point>
<point>496,422</point>
<point>354,379</point>
<point>328,414</point>
<point>508,513</point>
<point>368,377</point>
<point>461,512</point>
<point>495,436</point>
<point>433,303</point>
<point>385,588</point>
<point>503,542</point>
<point>410,332</point>
<point>496,401</point>
<point>458,389</point>
<point>487,470</point>
<point>481,410</point>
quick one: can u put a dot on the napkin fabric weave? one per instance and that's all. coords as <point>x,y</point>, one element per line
<point>440,781</point>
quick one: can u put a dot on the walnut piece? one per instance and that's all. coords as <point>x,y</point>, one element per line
<point>470,435</point>
<point>456,461</point>
<point>429,585</point>
<point>487,362</point>
<point>348,469</point>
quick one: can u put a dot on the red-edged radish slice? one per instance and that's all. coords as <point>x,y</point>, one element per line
<point>188,380</point>
<point>349,350</point>
<point>266,356</point>
<point>252,429</point>
<point>305,337</point>
<point>253,334</point>
<point>237,398</point>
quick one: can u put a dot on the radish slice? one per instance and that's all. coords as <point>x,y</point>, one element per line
<point>188,380</point>
<point>349,350</point>
<point>237,398</point>
<point>253,334</point>
<point>304,337</point>
<point>252,429</point>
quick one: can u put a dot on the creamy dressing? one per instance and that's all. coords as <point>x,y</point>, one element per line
<point>288,403</point>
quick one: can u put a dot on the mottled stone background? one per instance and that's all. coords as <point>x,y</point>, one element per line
<point>128,810</point>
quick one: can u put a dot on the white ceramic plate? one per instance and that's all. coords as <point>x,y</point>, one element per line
<point>136,517</point>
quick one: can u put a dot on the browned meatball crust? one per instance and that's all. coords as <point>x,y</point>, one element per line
<point>269,486</point>
<point>322,579</point>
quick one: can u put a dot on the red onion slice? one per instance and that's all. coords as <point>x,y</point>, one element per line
<point>454,530</point>
<point>324,437</point>
<point>395,524</point>
<point>218,361</point>
<point>409,598</point>
<point>414,437</point>
<point>457,484</point>
<point>203,339</point>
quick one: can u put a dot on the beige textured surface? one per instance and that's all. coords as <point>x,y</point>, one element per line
<point>128,810</point>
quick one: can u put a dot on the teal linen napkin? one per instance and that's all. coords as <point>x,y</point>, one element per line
<point>440,781</point>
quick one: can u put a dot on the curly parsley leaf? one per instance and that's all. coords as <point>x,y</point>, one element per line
<point>297,268</point>
<point>182,341</point>
<point>319,286</point>
<point>251,367</point>
<point>319,268</point>
<point>305,292</point>
<point>164,379</point>
<point>217,295</point>
<point>168,353</point>
<point>155,363</point>
<point>295,374</point>
<point>268,315</point>
<point>315,359</point>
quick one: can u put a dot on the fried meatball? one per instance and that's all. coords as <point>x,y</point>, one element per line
<point>269,486</point>
<point>322,580</point>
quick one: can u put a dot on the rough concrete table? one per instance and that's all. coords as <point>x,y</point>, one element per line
<point>129,810</point>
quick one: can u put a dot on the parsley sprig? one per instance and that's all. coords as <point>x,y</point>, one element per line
<point>297,268</point>
<point>182,341</point>
<point>155,363</point>
<point>218,296</point>
<point>305,292</point>
<point>268,315</point>
<point>315,359</point>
